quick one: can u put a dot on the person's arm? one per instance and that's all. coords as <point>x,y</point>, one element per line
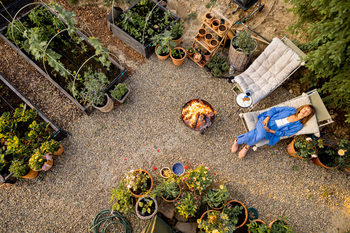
<point>275,110</point>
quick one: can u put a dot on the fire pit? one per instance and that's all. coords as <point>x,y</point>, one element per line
<point>198,114</point>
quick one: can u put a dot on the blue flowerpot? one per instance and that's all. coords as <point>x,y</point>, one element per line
<point>178,169</point>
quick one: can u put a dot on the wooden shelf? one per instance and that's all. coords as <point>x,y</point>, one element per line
<point>205,45</point>
<point>191,57</point>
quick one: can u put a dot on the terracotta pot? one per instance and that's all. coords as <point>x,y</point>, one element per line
<point>175,198</point>
<point>205,214</point>
<point>189,54</point>
<point>271,223</point>
<point>160,56</point>
<point>291,150</point>
<point>213,43</point>
<point>31,174</point>
<point>215,208</point>
<point>207,56</point>
<point>202,32</point>
<point>222,29</point>
<point>141,195</point>
<point>108,107</point>
<point>197,57</point>
<point>180,61</point>
<point>215,24</point>
<point>241,220</point>
<point>48,162</point>
<point>257,220</point>
<point>208,17</point>
<point>177,41</point>
<point>149,216</point>
<point>208,37</point>
<point>230,34</point>
<point>59,151</point>
<point>202,63</point>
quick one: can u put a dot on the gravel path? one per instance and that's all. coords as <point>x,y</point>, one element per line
<point>104,146</point>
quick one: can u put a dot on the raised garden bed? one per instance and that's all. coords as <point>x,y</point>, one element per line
<point>132,33</point>
<point>10,99</point>
<point>76,52</point>
<point>10,10</point>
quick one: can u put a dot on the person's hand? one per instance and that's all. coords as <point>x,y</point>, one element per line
<point>265,121</point>
<point>267,128</point>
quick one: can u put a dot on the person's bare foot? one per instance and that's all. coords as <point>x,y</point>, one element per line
<point>243,152</point>
<point>235,146</point>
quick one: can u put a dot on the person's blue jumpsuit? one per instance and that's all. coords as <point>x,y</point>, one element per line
<point>259,133</point>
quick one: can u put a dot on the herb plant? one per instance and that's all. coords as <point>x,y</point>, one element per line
<point>217,65</point>
<point>50,146</point>
<point>164,42</point>
<point>216,222</point>
<point>198,179</point>
<point>281,226</point>
<point>217,197</point>
<point>94,86</point>
<point>123,199</point>
<point>244,42</point>
<point>190,50</point>
<point>168,188</point>
<point>119,91</point>
<point>233,212</point>
<point>177,53</point>
<point>177,30</point>
<point>188,204</point>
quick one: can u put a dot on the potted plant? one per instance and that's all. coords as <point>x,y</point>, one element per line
<point>146,207</point>
<point>233,213</point>
<point>215,221</point>
<point>178,56</point>
<point>177,30</point>
<point>198,179</point>
<point>216,198</point>
<point>343,160</point>
<point>39,161</point>
<point>169,189</point>
<point>190,51</point>
<point>242,50</point>
<point>281,226</point>
<point>120,92</point>
<point>258,226</point>
<point>188,204</point>
<point>304,147</point>
<point>124,200</point>
<point>93,91</point>
<point>243,216</point>
<point>164,44</point>
<point>217,65</point>
<point>165,172</point>
<point>327,157</point>
<point>139,182</point>
<point>51,147</point>
<point>20,169</point>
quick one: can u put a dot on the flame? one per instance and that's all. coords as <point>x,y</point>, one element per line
<point>197,114</point>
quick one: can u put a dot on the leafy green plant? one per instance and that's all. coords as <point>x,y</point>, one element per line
<point>146,205</point>
<point>19,168</point>
<point>322,23</point>
<point>3,161</point>
<point>177,53</point>
<point>164,41</point>
<point>38,131</point>
<point>341,154</point>
<point>217,197</point>
<point>258,227</point>
<point>94,86</point>
<point>217,64</point>
<point>168,188</point>
<point>123,199</point>
<point>198,179</point>
<point>119,91</point>
<point>244,42</point>
<point>50,146</point>
<point>37,160</point>
<point>177,29</point>
<point>216,222</point>
<point>137,180</point>
<point>190,50</point>
<point>281,226</point>
<point>306,147</point>
<point>233,212</point>
<point>188,204</point>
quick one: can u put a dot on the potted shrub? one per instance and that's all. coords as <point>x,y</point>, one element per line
<point>242,50</point>
<point>343,160</point>
<point>303,147</point>
<point>258,226</point>
<point>177,30</point>
<point>124,200</point>
<point>233,213</point>
<point>217,65</point>
<point>93,91</point>
<point>243,216</point>
<point>39,161</point>
<point>198,179</point>
<point>178,56</point>
<point>21,170</point>
<point>51,147</point>
<point>120,92</point>
<point>146,207</point>
<point>281,226</point>
<point>164,44</point>
<point>139,182</point>
<point>169,189</point>
<point>188,204</point>
<point>215,221</point>
<point>216,198</point>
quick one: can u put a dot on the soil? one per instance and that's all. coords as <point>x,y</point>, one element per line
<point>13,101</point>
<point>324,157</point>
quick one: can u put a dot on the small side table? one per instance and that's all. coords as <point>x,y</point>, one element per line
<point>244,103</point>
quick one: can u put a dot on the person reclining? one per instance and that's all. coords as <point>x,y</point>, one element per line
<point>273,124</point>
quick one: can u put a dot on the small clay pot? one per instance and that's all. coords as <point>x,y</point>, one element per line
<point>208,17</point>
<point>202,63</point>
<point>222,29</point>
<point>208,37</point>
<point>59,151</point>
<point>188,52</point>
<point>202,32</point>
<point>213,43</point>
<point>207,56</point>
<point>215,24</point>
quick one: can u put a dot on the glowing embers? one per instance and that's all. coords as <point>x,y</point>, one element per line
<point>198,114</point>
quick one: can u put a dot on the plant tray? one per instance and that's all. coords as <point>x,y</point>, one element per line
<point>118,74</point>
<point>11,97</point>
<point>145,50</point>
<point>12,7</point>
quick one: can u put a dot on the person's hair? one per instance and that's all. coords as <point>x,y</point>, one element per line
<point>307,118</point>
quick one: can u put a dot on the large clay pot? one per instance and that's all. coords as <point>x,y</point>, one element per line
<point>161,57</point>
<point>151,184</point>
<point>178,61</point>
<point>108,107</point>
<point>31,174</point>
<point>321,152</point>
<point>291,150</point>
<point>175,198</point>
<point>59,151</point>
<point>242,218</point>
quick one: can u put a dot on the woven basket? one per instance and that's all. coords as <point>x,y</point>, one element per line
<point>108,107</point>
<point>238,59</point>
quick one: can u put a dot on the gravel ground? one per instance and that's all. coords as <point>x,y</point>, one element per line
<point>147,131</point>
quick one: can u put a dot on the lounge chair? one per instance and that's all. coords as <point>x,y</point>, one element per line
<point>275,65</point>
<point>320,119</point>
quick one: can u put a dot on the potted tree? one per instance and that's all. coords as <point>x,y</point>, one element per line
<point>188,204</point>
<point>198,179</point>
<point>233,213</point>
<point>139,182</point>
<point>281,225</point>
<point>146,207</point>
<point>215,221</point>
<point>93,91</point>
<point>242,50</point>
<point>243,216</point>
<point>216,198</point>
<point>120,92</point>
<point>177,30</point>
<point>258,226</point>
<point>164,44</point>
<point>178,56</point>
<point>303,147</point>
<point>124,200</point>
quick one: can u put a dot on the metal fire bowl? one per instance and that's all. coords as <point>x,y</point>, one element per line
<point>204,102</point>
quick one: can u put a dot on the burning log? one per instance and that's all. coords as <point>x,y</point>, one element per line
<point>198,114</point>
